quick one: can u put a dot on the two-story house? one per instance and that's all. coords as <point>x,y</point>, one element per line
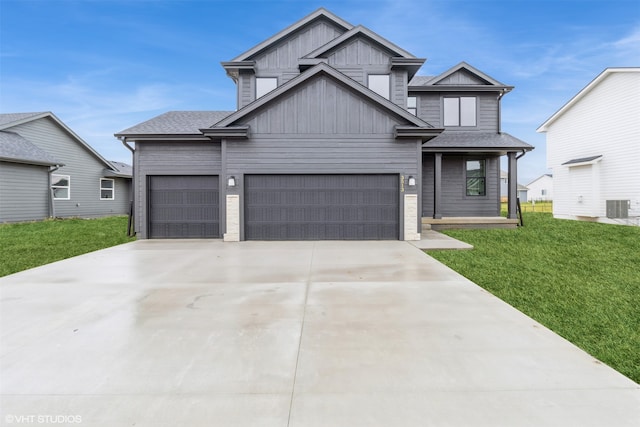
<point>334,137</point>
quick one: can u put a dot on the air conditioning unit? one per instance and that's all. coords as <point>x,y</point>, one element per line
<point>618,208</point>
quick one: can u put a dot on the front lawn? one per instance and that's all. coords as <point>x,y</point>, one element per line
<point>582,280</point>
<point>28,245</point>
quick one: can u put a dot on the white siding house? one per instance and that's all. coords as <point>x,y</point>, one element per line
<point>593,149</point>
<point>541,188</point>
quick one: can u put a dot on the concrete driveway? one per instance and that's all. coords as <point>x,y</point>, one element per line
<point>205,333</point>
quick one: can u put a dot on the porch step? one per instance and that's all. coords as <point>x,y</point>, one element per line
<point>468,222</point>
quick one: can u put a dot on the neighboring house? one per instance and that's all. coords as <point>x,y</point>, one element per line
<point>541,188</point>
<point>504,188</point>
<point>334,137</point>
<point>593,150</point>
<point>46,170</point>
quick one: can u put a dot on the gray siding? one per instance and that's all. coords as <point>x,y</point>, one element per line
<point>461,77</point>
<point>84,169</point>
<point>284,56</point>
<point>170,158</point>
<point>362,53</point>
<point>322,107</point>
<point>430,109</point>
<point>455,202</point>
<point>24,192</point>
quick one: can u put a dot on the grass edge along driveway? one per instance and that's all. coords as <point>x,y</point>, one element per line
<point>579,279</point>
<point>31,244</point>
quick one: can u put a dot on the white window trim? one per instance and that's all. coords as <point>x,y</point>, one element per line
<point>113,188</point>
<point>68,187</point>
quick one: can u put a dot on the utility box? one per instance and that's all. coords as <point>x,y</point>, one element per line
<point>618,208</point>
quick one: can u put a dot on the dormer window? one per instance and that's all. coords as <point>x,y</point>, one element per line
<point>379,83</point>
<point>264,85</point>
<point>460,111</point>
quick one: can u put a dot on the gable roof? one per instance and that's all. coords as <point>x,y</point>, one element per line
<point>326,70</point>
<point>360,31</point>
<point>317,14</point>
<point>16,149</point>
<point>588,88</point>
<point>176,123</point>
<point>435,83</point>
<point>9,120</point>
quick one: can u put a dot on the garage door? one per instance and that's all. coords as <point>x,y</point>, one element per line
<point>315,207</point>
<point>183,207</point>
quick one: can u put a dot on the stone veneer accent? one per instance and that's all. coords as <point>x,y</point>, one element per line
<point>411,217</point>
<point>233,219</point>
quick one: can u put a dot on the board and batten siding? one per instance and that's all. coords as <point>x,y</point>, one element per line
<point>284,56</point>
<point>170,158</point>
<point>82,166</point>
<point>281,60</point>
<point>24,192</point>
<point>322,106</point>
<point>454,201</point>
<point>606,122</point>
<point>430,109</point>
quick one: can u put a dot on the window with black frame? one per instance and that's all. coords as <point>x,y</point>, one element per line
<point>476,177</point>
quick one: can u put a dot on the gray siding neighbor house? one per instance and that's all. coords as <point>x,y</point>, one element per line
<point>334,137</point>
<point>46,170</point>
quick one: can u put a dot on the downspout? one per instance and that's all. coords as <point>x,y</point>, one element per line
<point>500,95</point>
<point>52,209</point>
<point>130,222</point>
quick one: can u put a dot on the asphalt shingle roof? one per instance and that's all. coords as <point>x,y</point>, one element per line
<point>461,139</point>
<point>177,123</point>
<point>9,118</point>
<point>420,80</point>
<point>14,148</point>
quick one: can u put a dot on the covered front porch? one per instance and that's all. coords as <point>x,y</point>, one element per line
<point>461,180</point>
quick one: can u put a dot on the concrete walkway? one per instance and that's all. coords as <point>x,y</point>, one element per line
<point>205,333</point>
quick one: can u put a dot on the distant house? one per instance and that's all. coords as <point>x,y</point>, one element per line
<point>46,170</point>
<point>334,136</point>
<point>541,188</point>
<point>593,149</point>
<point>523,192</point>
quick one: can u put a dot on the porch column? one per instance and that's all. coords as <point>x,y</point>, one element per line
<point>437,185</point>
<point>512,186</point>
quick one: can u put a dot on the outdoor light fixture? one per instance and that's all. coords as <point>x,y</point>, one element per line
<point>411,181</point>
<point>231,181</point>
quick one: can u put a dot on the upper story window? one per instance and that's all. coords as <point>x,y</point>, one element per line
<point>460,111</point>
<point>107,189</point>
<point>380,84</point>
<point>412,105</point>
<point>476,177</point>
<point>61,187</point>
<point>264,85</point>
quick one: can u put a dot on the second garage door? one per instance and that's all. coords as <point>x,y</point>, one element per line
<point>321,207</point>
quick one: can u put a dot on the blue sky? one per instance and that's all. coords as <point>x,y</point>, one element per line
<point>102,66</point>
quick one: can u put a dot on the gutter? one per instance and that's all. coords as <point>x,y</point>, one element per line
<point>130,223</point>
<point>52,208</point>
<point>500,95</point>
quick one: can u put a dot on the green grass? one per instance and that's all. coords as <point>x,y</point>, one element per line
<point>580,279</point>
<point>28,245</point>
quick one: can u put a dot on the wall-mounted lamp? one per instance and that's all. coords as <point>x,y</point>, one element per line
<point>231,181</point>
<point>411,181</point>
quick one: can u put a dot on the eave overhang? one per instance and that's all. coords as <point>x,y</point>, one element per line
<point>460,88</point>
<point>218,133</point>
<point>234,68</point>
<point>412,132</point>
<point>161,137</point>
<point>412,65</point>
